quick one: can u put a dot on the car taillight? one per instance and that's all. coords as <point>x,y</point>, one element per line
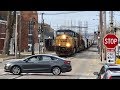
<point>67,62</point>
<point>110,77</point>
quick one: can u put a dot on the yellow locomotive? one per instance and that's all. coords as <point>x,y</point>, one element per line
<point>68,42</point>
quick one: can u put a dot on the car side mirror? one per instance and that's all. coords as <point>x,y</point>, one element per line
<point>95,73</point>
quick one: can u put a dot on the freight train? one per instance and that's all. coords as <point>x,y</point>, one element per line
<point>68,42</point>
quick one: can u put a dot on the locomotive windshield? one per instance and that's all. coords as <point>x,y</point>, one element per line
<point>65,32</point>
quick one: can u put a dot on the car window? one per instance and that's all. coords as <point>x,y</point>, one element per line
<point>46,58</point>
<point>54,58</point>
<point>114,69</point>
<point>40,58</point>
<point>33,59</point>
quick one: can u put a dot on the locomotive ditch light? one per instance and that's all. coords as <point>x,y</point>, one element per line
<point>63,36</point>
<point>68,44</point>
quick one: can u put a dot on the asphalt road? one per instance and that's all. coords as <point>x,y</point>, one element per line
<point>83,65</point>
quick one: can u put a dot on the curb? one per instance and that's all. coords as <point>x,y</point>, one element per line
<point>5,59</point>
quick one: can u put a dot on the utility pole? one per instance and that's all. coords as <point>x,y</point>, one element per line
<point>101,34</point>
<point>20,35</point>
<point>80,25</point>
<point>32,25</point>
<point>111,21</point>
<point>71,25</point>
<point>86,29</point>
<point>39,39</point>
<point>104,33</point>
<point>42,31</point>
<point>16,46</point>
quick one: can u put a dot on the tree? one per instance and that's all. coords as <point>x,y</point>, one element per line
<point>9,31</point>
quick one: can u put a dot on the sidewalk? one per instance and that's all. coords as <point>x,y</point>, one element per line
<point>94,64</point>
<point>5,58</point>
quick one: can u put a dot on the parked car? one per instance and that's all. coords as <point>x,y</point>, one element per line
<point>112,74</point>
<point>42,63</point>
<point>105,68</point>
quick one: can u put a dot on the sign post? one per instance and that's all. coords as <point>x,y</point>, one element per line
<point>110,41</point>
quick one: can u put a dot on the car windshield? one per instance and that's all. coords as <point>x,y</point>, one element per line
<point>114,69</point>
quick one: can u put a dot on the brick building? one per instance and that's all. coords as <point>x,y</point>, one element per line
<point>26,33</point>
<point>2,33</point>
<point>26,16</point>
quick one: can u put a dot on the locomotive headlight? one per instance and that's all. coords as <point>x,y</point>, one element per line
<point>63,36</point>
<point>59,44</point>
<point>68,44</point>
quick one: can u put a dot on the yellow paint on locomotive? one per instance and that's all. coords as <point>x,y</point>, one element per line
<point>64,41</point>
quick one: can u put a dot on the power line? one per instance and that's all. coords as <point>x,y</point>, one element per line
<point>61,13</point>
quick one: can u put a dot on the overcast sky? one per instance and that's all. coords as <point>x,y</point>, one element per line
<point>92,17</point>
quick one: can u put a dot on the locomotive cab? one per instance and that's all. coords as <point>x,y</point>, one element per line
<point>67,42</point>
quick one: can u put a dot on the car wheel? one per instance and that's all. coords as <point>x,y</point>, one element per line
<point>16,70</point>
<point>56,71</point>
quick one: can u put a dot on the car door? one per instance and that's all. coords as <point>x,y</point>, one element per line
<point>44,63</point>
<point>31,64</point>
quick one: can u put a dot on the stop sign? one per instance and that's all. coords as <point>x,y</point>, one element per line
<point>110,41</point>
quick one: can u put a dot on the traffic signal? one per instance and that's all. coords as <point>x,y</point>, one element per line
<point>98,33</point>
<point>115,29</point>
<point>94,32</point>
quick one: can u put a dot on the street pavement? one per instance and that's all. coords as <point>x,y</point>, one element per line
<point>83,65</point>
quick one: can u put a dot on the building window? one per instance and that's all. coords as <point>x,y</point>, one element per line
<point>29,39</point>
<point>30,32</point>
<point>30,29</point>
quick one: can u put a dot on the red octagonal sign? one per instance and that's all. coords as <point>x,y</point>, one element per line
<point>110,41</point>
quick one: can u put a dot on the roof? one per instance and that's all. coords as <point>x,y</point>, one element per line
<point>65,30</point>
